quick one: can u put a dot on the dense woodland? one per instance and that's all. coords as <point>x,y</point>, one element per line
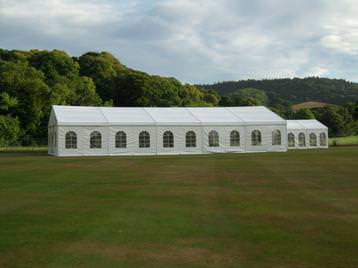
<point>296,90</point>
<point>32,81</point>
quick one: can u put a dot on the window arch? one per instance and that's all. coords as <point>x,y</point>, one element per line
<point>95,140</point>
<point>190,139</point>
<point>276,137</point>
<point>71,140</point>
<point>256,137</point>
<point>213,138</point>
<point>291,140</point>
<point>121,139</point>
<point>302,139</point>
<point>313,139</point>
<point>234,138</point>
<point>144,139</point>
<point>322,139</point>
<point>168,139</point>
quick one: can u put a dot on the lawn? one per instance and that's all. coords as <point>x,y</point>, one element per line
<point>295,209</point>
<point>345,141</point>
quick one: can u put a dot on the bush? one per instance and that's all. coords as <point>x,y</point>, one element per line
<point>9,130</point>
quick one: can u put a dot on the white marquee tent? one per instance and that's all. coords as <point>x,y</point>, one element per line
<point>75,130</point>
<point>303,134</point>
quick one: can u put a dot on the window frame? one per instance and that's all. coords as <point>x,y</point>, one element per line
<point>214,139</point>
<point>144,139</point>
<point>235,138</point>
<point>256,138</point>
<point>168,139</point>
<point>190,139</point>
<point>96,140</point>
<point>120,140</point>
<point>324,135</point>
<point>313,139</point>
<point>71,141</point>
<point>292,135</point>
<point>276,137</point>
<point>300,139</point>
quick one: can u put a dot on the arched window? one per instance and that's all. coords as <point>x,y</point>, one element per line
<point>213,139</point>
<point>276,137</point>
<point>322,139</point>
<point>50,141</point>
<point>313,139</point>
<point>256,137</point>
<point>71,140</point>
<point>301,139</point>
<point>144,139</point>
<point>234,138</point>
<point>190,139</point>
<point>96,140</point>
<point>121,139</point>
<point>291,140</point>
<point>168,139</point>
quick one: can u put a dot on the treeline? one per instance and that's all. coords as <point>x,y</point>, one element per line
<point>342,120</point>
<point>296,90</point>
<point>32,81</point>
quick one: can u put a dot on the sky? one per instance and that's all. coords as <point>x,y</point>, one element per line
<point>195,41</point>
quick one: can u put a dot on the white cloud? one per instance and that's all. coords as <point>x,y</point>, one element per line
<point>196,41</point>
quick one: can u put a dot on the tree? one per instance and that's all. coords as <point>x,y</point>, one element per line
<point>56,65</point>
<point>9,130</point>
<point>104,69</point>
<point>304,113</point>
<point>338,120</point>
<point>84,93</point>
<point>245,97</point>
<point>7,102</point>
<point>28,85</point>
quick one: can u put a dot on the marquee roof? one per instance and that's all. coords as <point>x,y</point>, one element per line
<point>85,115</point>
<point>305,124</point>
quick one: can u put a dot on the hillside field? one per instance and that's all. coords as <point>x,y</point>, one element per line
<point>295,209</point>
<point>309,105</point>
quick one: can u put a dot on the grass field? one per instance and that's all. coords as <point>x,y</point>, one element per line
<point>344,141</point>
<point>309,105</point>
<point>23,149</point>
<point>295,209</point>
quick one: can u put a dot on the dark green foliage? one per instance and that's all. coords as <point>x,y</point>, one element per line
<point>304,114</point>
<point>104,69</point>
<point>296,90</point>
<point>9,130</point>
<point>245,97</point>
<point>32,81</point>
<point>338,119</point>
<point>7,102</point>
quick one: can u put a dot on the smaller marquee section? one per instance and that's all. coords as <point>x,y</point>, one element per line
<point>306,134</point>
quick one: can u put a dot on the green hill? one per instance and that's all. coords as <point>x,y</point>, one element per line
<point>296,90</point>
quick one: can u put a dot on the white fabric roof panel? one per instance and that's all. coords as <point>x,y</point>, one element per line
<point>85,115</point>
<point>174,116</point>
<point>306,124</point>
<point>130,116</point>
<point>294,124</point>
<point>217,115</point>
<point>256,115</point>
<point>79,115</point>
